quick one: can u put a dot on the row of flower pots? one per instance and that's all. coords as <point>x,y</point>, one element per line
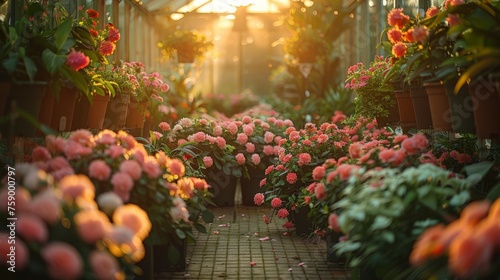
<point>436,106</point>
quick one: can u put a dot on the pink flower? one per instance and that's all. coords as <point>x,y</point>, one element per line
<point>268,150</point>
<point>294,136</point>
<point>115,151</point>
<point>242,138</point>
<point>453,20</point>
<point>199,137</point>
<point>217,131</point>
<point>397,18</point>
<point>276,202</point>
<point>247,129</point>
<point>46,206</point>
<point>262,182</point>
<point>55,144</point>
<point>31,228</point>
<point>92,225</point>
<point>104,266</point>
<point>258,199</point>
<point>333,222</point>
<point>74,186</point>
<point>320,191</point>
<point>77,60</point>
<point>420,33</point>
<point>176,167</point>
<point>122,184</point>
<point>151,168</point>
<point>266,219</point>
<point>221,142</point>
<point>291,178</point>
<point>132,168</point>
<point>304,158</point>
<point>268,137</point>
<point>41,154</point>
<point>387,155</point>
<point>288,225</point>
<point>20,255</point>
<point>199,184</point>
<point>250,147</point>
<point>355,150</point>
<point>164,126</point>
<point>62,261</point>
<point>282,213</point>
<point>208,161</point>
<point>232,128</point>
<point>134,218</point>
<point>157,136</point>
<point>255,159</point>
<point>269,169</point>
<point>399,50</point>
<point>318,172</point>
<point>240,158</point>
<point>98,169</point>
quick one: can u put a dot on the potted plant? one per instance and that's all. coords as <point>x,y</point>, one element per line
<point>374,98</point>
<point>187,45</point>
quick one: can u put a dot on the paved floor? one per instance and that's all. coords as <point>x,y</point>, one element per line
<point>239,236</point>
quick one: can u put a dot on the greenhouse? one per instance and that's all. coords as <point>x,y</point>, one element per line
<point>250,139</point>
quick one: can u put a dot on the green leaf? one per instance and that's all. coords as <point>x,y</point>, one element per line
<point>62,33</point>
<point>380,222</point>
<point>180,233</point>
<point>201,228</point>
<point>52,61</point>
<point>77,78</point>
<point>481,168</point>
<point>494,193</point>
<point>430,201</point>
<point>31,68</point>
<point>208,216</point>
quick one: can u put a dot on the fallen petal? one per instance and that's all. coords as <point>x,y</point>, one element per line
<point>252,264</point>
<point>264,238</point>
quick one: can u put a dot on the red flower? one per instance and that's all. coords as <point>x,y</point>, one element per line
<point>113,35</point>
<point>399,50</point>
<point>93,32</point>
<point>91,13</point>
<point>432,11</point>
<point>397,18</point>
<point>77,60</point>
<point>395,35</point>
<point>107,48</point>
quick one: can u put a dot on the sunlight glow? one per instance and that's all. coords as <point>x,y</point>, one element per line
<point>230,6</point>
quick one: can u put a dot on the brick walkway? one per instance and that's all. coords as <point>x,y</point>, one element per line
<point>236,238</point>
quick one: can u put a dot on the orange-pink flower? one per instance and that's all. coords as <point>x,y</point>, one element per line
<point>113,35</point>
<point>92,225</point>
<point>282,213</point>
<point>469,255</point>
<point>395,35</point>
<point>77,60</point>
<point>432,11</point>
<point>399,50</point>
<point>333,222</point>
<point>62,261</point>
<point>98,169</point>
<point>318,172</point>
<point>276,202</point>
<point>132,168</point>
<point>258,199</point>
<point>133,217</point>
<point>291,178</point>
<point>397,18</point>
<point>107,48</point>
<point>46,206</point>
<point>176,167</point>
<point>428,245</point>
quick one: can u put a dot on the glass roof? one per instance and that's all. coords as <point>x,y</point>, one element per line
<point>215,6</point>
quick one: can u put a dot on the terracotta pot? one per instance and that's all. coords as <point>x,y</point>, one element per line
<point>439,105</point>
<point>81,114</point>
<point>116,112</point>
<point>407,117</point>
<point>97,111</point>
<point>64,109</point>
<point>185,56</point>
<point>461,109</point>
<point>46,109</point>
<point>421,106</point>
<point>485,93</point>
<point>136,115</point>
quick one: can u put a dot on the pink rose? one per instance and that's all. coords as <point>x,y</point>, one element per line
<point>258,199</point>
<point>208,161</point>
<point>276,202</point>
<point>240,158</point>
<point>164,126</point>
<point>291,178</point>
<point>62,261</point>
<point>151,168</point>
<point>104,265</point>
<point>250,147</point>
<point>41,154</point>
<point>122,183</point>
<point>318,173</point>
<point>255,159</point>
<point>46,206</point>
<point>98,169</point>
<point>74,186</point>
<point>282,213</point>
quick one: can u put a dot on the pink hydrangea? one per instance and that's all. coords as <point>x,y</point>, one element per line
<point>248,129</point>
<point>246,119</point>
<point>268,150</point>
<point>304,159</point>
<point>268,137</point>
<point>199,137</point>
<point>318,173</point>
<point>250,147</point>
<point>240,158</point>
<point>294,136</point>
<point>208,161</point>
<point>320,191</point>
<point>242,138</point>
<point>232,128</point>
<point>122,184</point>
<point>98,169</point>
<point>132,168</point>
<point>221,142</point>
<point>255,159</point>
<point>258,199</point>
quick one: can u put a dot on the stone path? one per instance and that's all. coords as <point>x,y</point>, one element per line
<point>239,236</point>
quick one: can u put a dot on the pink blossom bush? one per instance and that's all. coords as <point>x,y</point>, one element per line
<point>116,163</point>
<point>59,239</point>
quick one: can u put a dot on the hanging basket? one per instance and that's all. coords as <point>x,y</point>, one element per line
<point>184,56</point>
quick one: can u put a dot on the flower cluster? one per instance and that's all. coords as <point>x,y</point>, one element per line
<point>106,38</point>
<point>60,233</point>
<point>120,167</point>
<point>373,96</point>
<point>470,243</point>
